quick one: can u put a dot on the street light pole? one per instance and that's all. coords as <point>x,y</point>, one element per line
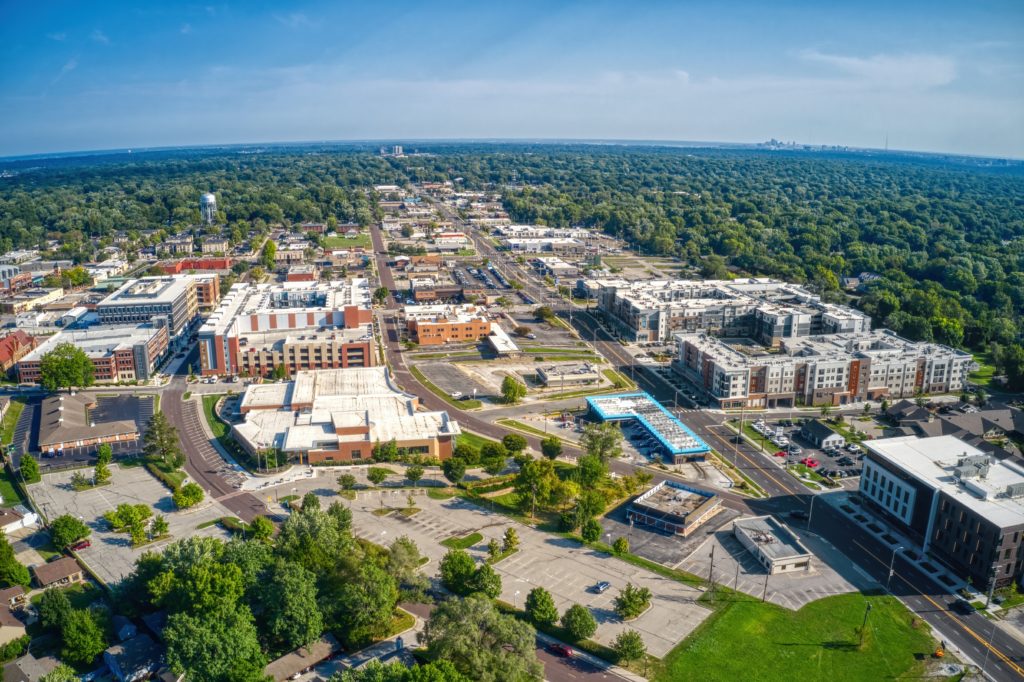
<point>864,625</point>
<point>892,562</point>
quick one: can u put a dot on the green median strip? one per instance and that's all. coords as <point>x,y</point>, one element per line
<point>463,542</point>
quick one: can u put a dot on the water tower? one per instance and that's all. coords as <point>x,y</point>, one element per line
<point>208,208</point>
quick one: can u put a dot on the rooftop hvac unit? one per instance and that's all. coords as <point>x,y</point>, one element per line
<point>973,460</point>
<point>1015,490</point>
<point>962,472</point>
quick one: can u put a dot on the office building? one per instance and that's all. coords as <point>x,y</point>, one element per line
<point>435,325</point>
<point>143,300</point>
<point>673,508</point>
<point>295,325</point>
<point>340,415</point>
<point>964,507</point>
<point>117,353</point>
<point>29,299</point>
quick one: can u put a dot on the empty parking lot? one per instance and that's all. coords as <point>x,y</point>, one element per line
<point>111,556</point>
<point>561,566</point>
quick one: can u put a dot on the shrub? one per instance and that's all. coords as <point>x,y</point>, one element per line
<point>578,623</point>
<point>188,495</point>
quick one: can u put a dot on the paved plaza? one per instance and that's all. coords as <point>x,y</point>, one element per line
<point>830,574</point>
<point>111,556</point>
<point>562,566</point>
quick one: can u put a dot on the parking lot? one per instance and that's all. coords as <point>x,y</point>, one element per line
<point>563,567</point>
<point>452,380</point>
<point>782,440</point>
<point>831,573</point>
<point>111,556</point>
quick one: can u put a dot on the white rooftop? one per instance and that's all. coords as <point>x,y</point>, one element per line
<point>933,461</point>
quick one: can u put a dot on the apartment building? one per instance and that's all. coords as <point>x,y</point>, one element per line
<point>142,300</point>
<point>213,245</point>
<point>117,353</point>
<point>29,299</point>
<point>295,325</point>
<point>964,507</point>
<point>836,369</point>
<point>435,325</point>
<point>339,415</point>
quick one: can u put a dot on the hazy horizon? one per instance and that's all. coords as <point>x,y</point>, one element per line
<point>938,77</point>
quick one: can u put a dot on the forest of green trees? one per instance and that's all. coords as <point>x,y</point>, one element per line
<point>947,238</point>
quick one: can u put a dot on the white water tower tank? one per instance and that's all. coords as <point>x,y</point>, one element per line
<point>208,208</point>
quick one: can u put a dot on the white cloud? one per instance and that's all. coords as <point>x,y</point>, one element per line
<point>921,71</point>
<point>59,37</point>
<point>186,29</point>
<point>69,66</point>
<point>100,37</point>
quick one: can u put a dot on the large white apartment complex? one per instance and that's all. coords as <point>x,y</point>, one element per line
<point>760,342</point>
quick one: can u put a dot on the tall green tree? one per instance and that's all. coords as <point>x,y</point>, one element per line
<point>28,467</point>
<point>482,643</point>
<point>64,367</point>
<point>288,607</point>
<point>267,255</point>
<point>512,390</point>
<point>578,622</point>
<point>221,645</point>
<point>161,442</point>
<point>551,447</point>
<point>12,572</point>
<point>82,636</point>
<point>629,646</point>
<point>66,530</point>
<point>540,606</point>
<point>602,440</point>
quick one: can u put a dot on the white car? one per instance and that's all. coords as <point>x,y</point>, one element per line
<point>456,394</point>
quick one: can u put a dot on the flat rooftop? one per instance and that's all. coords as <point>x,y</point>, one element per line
<point>98,342</point>
<point>776,540</point>
<point>262,340</point>
<point>662,424</point>
<point>998,496</point>
<point>244,299</point>
<point>673,499</point>
<point>149,290</point>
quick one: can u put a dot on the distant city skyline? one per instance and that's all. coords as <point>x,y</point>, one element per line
<point>929,76</point>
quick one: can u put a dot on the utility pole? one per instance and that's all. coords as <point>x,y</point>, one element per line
<point>764,593</point>
<point>736,580</point>
<point>711,570</point>
<point>991,587</point>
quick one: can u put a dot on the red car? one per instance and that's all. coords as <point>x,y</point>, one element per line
<point>780,453</point>
<point>559,649</point>
<point>810,462</point>
<point>80,545</point>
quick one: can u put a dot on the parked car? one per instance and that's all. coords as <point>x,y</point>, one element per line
<point>456,394</point>
<point>853,447</point>
<point>961,605</point>
<point>810,462</point>
<point>559,649</point>
<point>798,514</point>
<point>80,545</point>
<point>602,586</point>
<point>795,449</point>
<point>780,453</point>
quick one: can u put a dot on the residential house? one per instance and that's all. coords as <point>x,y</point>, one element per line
<point>59,573</point>
<point>136,658</point>
<point>821,435</point>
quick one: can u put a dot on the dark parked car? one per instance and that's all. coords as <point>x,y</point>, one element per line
<point>961,605</point>
<point>798,514</point>
<point>559,649</point>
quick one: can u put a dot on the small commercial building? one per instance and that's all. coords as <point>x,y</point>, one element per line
<point>679,444</point>
<point>117,353</point>
<point>773,544</point>
<point>821,435</point>
<point>501,343</point>
<point>564,375</point>
<point>67,421</point>
<point>674,507</point>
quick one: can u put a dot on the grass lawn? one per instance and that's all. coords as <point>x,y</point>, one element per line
<point>462,543</point>
<point>217,426</point>
<point>749,640</point>
<point>472,440</point>
<point>986,370</point>
<point>457,404</point>
<point>618,380</point>
<point>47,549</point>
<point>440,494</point>
<point>339,242</point>
<point>10,421</point>
<point>81,595</point>
<point>8,489</point>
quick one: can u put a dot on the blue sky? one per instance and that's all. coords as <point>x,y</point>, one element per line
<point>934,76</point>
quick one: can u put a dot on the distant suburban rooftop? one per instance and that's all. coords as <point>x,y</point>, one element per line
<point>661,423</point>
<point>772,537</point>
<point>998,495</point>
